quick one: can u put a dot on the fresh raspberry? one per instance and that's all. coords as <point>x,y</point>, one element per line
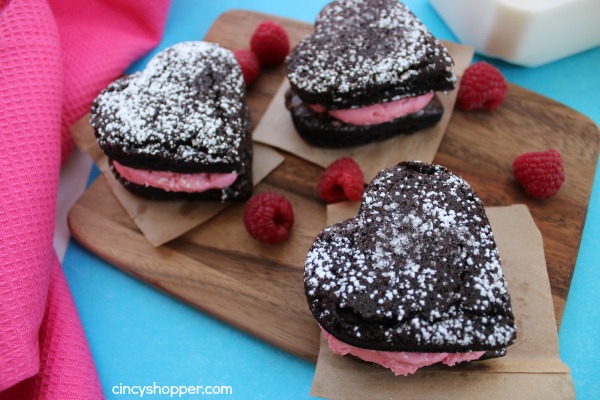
<point>342,180</point>
<point>540,173</point>
<point>249,63</point>
<point>482,87</point>
<point>270,43</point>
<point>268,217</point>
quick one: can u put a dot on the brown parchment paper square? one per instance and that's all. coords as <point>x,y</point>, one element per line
<point>277,129</point>
<point>532,368</point>
<point>162,221</point>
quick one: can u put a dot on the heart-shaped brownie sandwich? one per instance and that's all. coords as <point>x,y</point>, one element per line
<point>179,128</point>
<point>370,65</point>
<point>416,272</point>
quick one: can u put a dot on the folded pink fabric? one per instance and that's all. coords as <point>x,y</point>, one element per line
<point>54,59</point>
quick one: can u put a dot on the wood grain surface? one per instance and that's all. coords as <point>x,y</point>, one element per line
<point>218,268</point>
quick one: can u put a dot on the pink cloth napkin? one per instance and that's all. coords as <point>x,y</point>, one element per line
<point>55,56</point>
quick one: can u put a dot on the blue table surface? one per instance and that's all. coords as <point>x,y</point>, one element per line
<point>139,336</point>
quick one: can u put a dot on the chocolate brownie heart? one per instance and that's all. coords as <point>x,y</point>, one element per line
<point>364,52</point>
<point>184,113</point>
<point>416,270</point>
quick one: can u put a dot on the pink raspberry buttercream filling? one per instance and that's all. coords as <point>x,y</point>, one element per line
<point>378,113</point>
<point>176,182</point>
<point>401,363</point>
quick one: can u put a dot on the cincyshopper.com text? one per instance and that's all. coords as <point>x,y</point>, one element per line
<point>169,391</point>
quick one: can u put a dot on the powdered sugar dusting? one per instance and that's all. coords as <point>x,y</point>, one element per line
<point>359,44</point>
<point>417,268</point>
<point>188,103</point>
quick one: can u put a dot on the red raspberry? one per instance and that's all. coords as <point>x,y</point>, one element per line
<point>249,63</point>
<point>342,180</point>
<point>268,217</point>
<point>482,87</point>
<point>540,173</point>
<point>270,43</point>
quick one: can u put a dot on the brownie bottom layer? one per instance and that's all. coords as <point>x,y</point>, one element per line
<point>241,189</point>
<point>322,130</point>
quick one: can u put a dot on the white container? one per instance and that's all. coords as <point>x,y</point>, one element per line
<point>524,32</point>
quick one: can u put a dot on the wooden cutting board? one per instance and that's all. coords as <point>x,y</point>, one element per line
<point>218,268</point>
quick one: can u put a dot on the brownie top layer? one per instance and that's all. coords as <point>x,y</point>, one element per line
<point>187,107</point>
<point>416,270</point>
<point>361,46</point>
